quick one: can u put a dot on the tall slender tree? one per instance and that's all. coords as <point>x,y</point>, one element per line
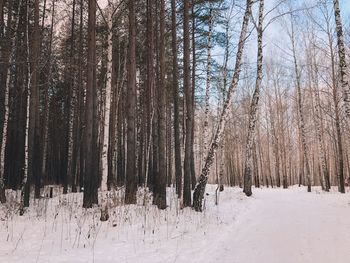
<point>34,169</point>
<point>302,127</point>
<point>107,112</point>
<point>198,194</point>
<point>254,107</point>
<point>188,99</point>
<point>90,169</point>
<point>24,182</point>
<point>6,105</point>
<point>175,83</point>
<point>344,79</point>
<point>72,106</point>
<point>160,180</point>
<point>131,180</point>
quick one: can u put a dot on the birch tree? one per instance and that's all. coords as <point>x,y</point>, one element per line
<point>302,128</point>
<point>344,79</point>
<point>198,194</point>
<point>107,110</point>
<point>207,86</point>
<point>254,108</point>
<point>72,107</point>
<point>24,182</point>
<point>326,27</point>
<point>175,83</point>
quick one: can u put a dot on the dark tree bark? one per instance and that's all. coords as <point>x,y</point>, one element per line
<point>189,110</point>
<point>45,126</point>
<point>175,83</point>
<point>80,166</point>
<point>149,111</point>
<point>193,90</point>
<point>34,167</point>
<point>91,145</point>
<point>71,107</point>
<point>10,58</point>
<point>160,180</point>
<point>131,180</point>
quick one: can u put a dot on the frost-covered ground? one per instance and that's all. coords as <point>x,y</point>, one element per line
<point>274,225</point>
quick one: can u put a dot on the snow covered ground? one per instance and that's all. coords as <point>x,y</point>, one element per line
<point>274,225</point>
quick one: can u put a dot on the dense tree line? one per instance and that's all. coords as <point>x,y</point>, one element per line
<point>126,94</point>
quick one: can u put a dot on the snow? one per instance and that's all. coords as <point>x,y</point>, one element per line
<point>274,225</point>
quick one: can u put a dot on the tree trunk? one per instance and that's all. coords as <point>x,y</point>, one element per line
<point>301,113</point>
<point>207,88</point>
<point>24,184</point>
<point>324,173</point>
<point>188,99</point>
<point>6,107</point>
<point>107,111</point>
<point>193,86</point>
<point>159,198</point>
<point>45,127</point>
<point>72,104</point>
<point>198,194</point>
<point>175,83</point>
<point>339,163</point>
<point>90,151</point>
<point>131,180</point>
<point>247,189</point>
<point>344,80</point>
<point>34,115</point>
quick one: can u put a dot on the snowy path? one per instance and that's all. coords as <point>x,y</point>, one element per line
<point>290,226</point>
<point>273,226</point>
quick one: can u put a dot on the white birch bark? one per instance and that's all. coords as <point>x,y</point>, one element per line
<point>301,114</point>
<point>198,194</point>
<point>344,80</point>
<point>225,75</point>
<point>70,138</point>
<point>120,87</point>
<point>319,122</point>
<point>254,108</point>
<point>207,88</point>
<point>26,141</point>
<point>72,112</point>
<point>106,122</point>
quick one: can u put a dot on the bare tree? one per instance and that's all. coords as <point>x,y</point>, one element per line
<point>344,81</point>
<point>175,83</point>
<point>254,107</point>
<point>198,194</point>
<point>189,110</point>
<point>300,108</point>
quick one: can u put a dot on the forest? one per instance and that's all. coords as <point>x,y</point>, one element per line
<point>144,93</point>
<point>106,98</point>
